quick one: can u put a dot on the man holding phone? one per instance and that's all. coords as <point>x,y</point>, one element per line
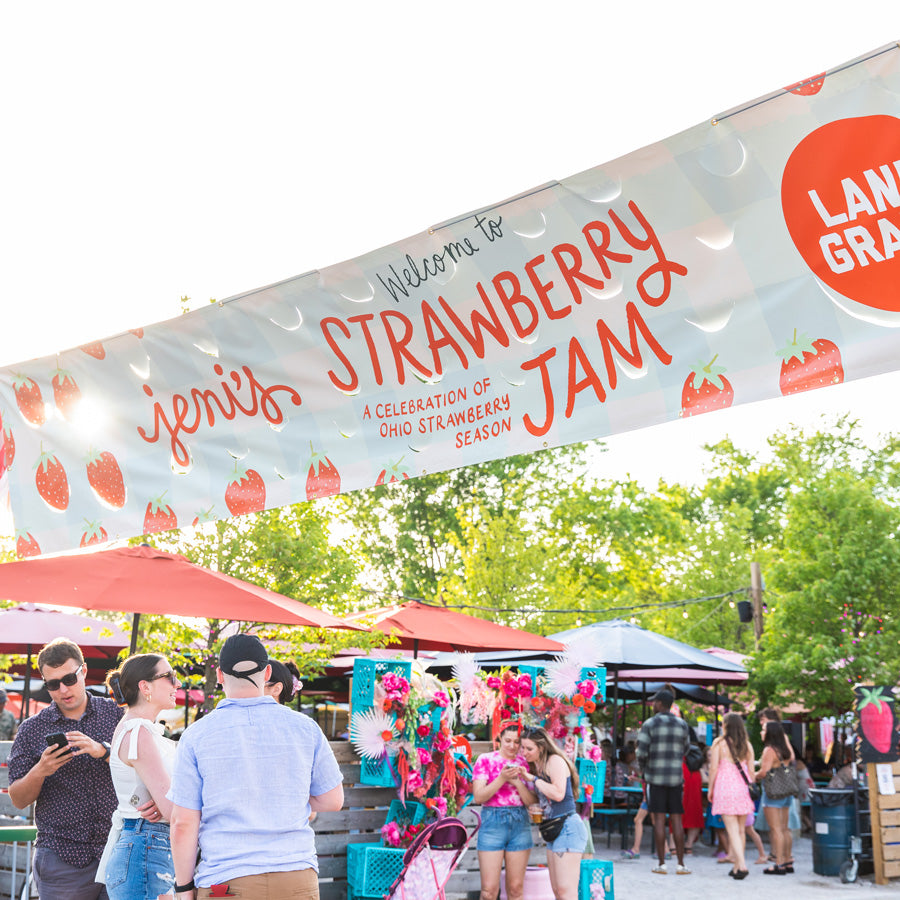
<point>59,762</point>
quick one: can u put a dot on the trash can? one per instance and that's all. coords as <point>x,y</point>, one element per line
<point>834,821</point>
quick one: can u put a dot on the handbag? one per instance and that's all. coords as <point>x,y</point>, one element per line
<point>782,781</point>
<point>551,829</point>
<point>754,789</point>
<point>693,759</point>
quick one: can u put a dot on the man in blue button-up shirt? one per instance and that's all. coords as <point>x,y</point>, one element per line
<point>246,778</point>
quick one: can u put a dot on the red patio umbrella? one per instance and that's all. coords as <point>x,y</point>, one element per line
<point>146,580</point>
<point>422,627</point>
<point>26,628</point>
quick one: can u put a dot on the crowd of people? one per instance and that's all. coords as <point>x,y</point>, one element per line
<point>124,812</point>
<point>739,798</point>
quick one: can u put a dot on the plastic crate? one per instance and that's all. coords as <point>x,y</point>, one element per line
<point>433,716</point>
<point>535,672</point>
<point>410,814</point>
<point>379,772</point>
<point>598,676</point>
<point>590,772</point>
<point>372,869</point>
<point>367,671</point>
<point>596,880</point>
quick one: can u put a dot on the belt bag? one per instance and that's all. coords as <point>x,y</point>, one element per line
<point>551,829</point>
<point>782,781</point>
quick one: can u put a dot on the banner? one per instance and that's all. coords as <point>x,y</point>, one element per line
<point>749,257</point>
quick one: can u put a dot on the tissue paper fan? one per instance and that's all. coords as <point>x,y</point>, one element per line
<point>464,670</point>
<point>368,732</point>
<point>562,677</point>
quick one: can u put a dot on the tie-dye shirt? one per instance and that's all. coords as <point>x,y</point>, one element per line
<point>487,767</point>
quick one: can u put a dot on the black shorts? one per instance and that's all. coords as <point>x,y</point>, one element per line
<point>664,799</point>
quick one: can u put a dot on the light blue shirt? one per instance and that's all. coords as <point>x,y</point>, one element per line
<point>250,767</point>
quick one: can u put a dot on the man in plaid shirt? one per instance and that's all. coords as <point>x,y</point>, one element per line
<point>662,742</point>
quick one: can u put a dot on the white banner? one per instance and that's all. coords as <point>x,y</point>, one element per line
<point>745,258</point>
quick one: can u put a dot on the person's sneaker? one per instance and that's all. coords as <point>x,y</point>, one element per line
<point>682,870</point>
<point>660,869</point>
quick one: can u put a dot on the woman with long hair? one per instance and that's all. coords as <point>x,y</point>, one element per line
<point>776,751</point>
<point>284,681</point>
<point>730,769</point>
<point>551,775</point>
<point>137,861</point>
<point>505,834</point>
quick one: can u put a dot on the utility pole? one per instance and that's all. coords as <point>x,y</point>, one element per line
<point>756,600</point>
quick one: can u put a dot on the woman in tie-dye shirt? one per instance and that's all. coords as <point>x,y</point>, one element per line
<point>505,833</point>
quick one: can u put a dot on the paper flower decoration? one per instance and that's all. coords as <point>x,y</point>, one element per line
<point>562,676</point>
<point>368,731</point>
<point>465,670</point>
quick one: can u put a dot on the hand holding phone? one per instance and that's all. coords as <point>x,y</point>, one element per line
<point>57,740</point>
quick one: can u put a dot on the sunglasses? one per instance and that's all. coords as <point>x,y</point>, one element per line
<point>171,675</point>
<point>68,680</point>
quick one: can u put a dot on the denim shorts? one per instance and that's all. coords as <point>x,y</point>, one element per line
<point>140,865</point>
<point>780,803</point>
<point>573,837</point>
<point>505,828</point>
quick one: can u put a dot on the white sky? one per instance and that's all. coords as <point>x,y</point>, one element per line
<point>154,150</point>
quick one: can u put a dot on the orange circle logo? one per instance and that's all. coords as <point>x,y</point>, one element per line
<point>840,194</point>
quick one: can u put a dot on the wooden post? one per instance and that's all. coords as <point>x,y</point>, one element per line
<point>756,600</point>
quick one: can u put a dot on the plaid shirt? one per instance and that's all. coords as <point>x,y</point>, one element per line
<point>662,742</point>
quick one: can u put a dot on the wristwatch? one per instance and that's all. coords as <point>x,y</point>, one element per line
<point>105,744</point>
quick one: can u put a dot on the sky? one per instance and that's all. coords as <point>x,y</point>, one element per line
<point>167,150</point>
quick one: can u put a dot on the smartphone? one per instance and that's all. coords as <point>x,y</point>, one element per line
<point>57,740</point>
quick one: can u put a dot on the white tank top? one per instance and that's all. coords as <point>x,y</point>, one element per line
<point>130,790</point>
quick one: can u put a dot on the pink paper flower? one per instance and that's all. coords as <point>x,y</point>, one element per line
<point>423,731</point>
<point>441,699</point>
<point>414,781</point>
<point>493,682</point>
<point>424,756</point>
<point>441,742</point>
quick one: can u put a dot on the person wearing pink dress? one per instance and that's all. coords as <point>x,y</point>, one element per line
<point>728,790</point>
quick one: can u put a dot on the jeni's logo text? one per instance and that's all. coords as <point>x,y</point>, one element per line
<point>186,414</point>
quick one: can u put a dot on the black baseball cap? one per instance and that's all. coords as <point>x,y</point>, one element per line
<point>664,696</point>
<point>242,648</point>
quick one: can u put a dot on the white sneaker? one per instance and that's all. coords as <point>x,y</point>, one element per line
<point>660,869</point>
<point>682,870</point>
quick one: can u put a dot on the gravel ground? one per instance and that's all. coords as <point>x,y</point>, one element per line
<point>634,878</point>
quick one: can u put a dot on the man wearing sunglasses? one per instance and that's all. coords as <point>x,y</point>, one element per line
<point>70,785</point>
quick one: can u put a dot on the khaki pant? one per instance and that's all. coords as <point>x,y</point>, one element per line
<point>300,885</point>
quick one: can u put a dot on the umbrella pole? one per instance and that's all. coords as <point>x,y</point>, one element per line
<point>717,708</point>
<point>26,688</point>
<point>415,648</point>
<point>135,626</point>
<point>615,720</point>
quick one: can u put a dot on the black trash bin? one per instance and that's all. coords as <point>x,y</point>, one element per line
<point>834,821</point>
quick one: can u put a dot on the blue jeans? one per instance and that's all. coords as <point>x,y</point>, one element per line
<point>140,867</point>
<point>573,837</point>
<point>505,828</point>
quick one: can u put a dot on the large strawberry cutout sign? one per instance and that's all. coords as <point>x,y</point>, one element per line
<point>876,730</point>
<point>840,194</point>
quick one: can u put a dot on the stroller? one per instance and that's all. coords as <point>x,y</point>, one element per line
<point>430,860</point>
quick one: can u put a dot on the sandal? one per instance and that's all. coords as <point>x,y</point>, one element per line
<point>630,854</point>
<point>774,870</point>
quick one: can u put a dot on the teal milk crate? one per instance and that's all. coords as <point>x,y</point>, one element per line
<point>410,813</point>
<point>535,672</point>
<point>597,674</point>
<point>593,773</point>
<point>596,880</point>
<point>432,716</point>
<point>372,869</point>
<point>381,772</point>
<point>367,671</point>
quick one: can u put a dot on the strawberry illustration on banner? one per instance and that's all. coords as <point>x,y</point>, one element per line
<point>808,88</point>
<point>29,400</point>
<point>159,516</point>
<point>95,349</point>
<point>66,392</point>
<point>807,365</point>
<point>876,729</point>
<point>26,545</point>
<point>9,445</point>
<point>51,481</point>
<point>323,478</point>
<point>394,471</point>
<point>94,533</point>
<point>204,516</point>
<point>706,389</point>
<point>246,492</point>
<point>105,477</point>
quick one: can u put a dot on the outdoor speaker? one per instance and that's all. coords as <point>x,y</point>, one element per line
<point>745,611</point>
